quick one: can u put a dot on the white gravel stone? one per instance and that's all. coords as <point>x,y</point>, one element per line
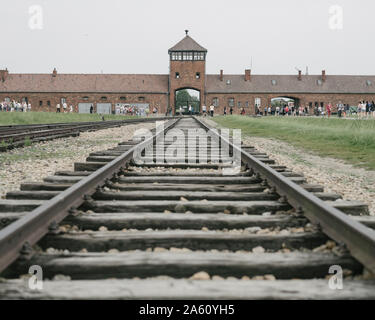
<point>258,249</point>
<point>39,160</point>
<point>335,175</point>
<point>202,275</point>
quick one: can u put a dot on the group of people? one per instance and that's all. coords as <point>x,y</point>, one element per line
<point>15,106</point>
<point>242,112</point>
<point>131,110</point>
<point>284,110</point>
<point>66,110</point>
<point>365,109</point>
<point>211,110</point>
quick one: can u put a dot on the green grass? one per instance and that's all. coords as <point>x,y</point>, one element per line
<point>14,118</point>
<point>349,140</point>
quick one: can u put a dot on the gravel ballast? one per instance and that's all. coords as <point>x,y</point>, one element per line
<point>33,163</point>
<point>335,175</point>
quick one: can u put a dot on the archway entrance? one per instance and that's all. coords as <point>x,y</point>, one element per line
<point>187,101</point>
<point>282,102</point>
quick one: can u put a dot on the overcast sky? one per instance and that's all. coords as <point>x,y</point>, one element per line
<point>121,36</point>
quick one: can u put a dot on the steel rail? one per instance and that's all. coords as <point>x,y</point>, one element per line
<point>9,129</point>
<point>29,229</point>
<point>359,239</point>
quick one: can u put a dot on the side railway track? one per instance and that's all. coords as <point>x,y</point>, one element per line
<point>116,229</point>
<point>22,135</point>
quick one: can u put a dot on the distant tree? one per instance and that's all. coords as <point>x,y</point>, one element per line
<point>183,98</point>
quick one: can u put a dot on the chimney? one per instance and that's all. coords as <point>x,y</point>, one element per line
<point>54,73</point>
<point>324,77</point>
<point>299,75</point>
<point>4,74</point>
<point>247,75</point>
<point>221,75</point>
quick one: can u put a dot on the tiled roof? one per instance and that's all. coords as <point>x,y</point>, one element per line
<point>146,83</point>
<point>187,44</point>
<point>290,84</point>
<point>129,83</point>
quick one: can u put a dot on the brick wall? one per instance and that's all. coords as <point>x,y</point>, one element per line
<point>303,99</point>
<point>158,100</point>
<point>187,78</point>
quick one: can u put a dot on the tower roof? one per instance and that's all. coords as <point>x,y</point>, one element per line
<point>187,44</point>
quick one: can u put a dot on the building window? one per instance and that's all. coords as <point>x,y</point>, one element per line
<point>122,98</point>
<point>231,102</point>
<point>24,99</point>
<point>85,98</point>
<point>188,55</point>
<point>247,104</point>
<point>103,98</point>
<point>228,82</point>
<point>198,75</point>
<point>40,103</point>
<point>198,56</point>
<point>7,99</point>
<point>239,104</point>
<point>141,98</point>
<point>310,104</point>
<point>215,102</point>
<point>177,76</point>
<point>176,56</point>
<point>48,103</point>
<point>258,102</point>
<point>322,104</point>
<point>63,100</point>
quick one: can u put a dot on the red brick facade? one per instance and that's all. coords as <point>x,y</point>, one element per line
<point>192,75</point>
<point>187,71</point>
<point>40,101</point>
<point>248,100</point>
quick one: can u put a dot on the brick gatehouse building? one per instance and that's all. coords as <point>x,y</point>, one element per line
<point>107,92</point>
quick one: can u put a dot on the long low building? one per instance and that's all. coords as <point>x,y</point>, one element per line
<point>187,84</point>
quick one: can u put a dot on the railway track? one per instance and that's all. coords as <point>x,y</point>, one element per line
<point>117,229</point>
<point>22,135</point>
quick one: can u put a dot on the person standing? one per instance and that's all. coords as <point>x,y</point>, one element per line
<point>65,107</point>
<point>329,109</point>
<point>71,109</point>
<point>231,110</point>
<point>367,108</point>
<point>225,111</point>
<point>212,109</point>
<point>190,110</point>
<point>92,109</point>
<point>58,108</point>
<point>204,110</point>
<point>29,107</point>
